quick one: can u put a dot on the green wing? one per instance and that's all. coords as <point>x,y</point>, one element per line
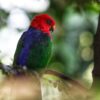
<point>40,55</point>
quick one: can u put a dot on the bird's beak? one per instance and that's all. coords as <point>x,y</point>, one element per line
<point>52,28</point>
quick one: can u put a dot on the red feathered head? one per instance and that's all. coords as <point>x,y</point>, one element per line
<point>43,22</point>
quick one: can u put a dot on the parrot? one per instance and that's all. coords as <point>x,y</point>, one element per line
<point>34,47</point>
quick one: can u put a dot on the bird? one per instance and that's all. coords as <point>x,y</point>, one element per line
<point>34,48</point>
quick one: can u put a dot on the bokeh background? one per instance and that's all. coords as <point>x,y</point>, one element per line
<point>76,23</point>
<point>73,39</point>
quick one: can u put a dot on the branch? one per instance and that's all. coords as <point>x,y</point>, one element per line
<point>67,79</point>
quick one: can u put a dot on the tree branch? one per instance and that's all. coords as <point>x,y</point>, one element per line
<point>66,78</point>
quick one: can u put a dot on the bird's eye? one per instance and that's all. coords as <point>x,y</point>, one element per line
<point>48,21</point>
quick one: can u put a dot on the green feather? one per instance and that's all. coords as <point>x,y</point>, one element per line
<point>40,55</point>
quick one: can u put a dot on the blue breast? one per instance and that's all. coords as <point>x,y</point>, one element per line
<point>28,38</point>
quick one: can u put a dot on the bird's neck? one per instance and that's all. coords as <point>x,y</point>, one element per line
<point>43,28</point>
<point>43,31</point>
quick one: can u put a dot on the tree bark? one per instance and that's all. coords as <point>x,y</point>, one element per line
<point>96,71</point>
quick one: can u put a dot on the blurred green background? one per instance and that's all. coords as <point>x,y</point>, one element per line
<point>76,22</point>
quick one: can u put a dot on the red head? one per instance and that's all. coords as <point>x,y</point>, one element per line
<point>43,22</point>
